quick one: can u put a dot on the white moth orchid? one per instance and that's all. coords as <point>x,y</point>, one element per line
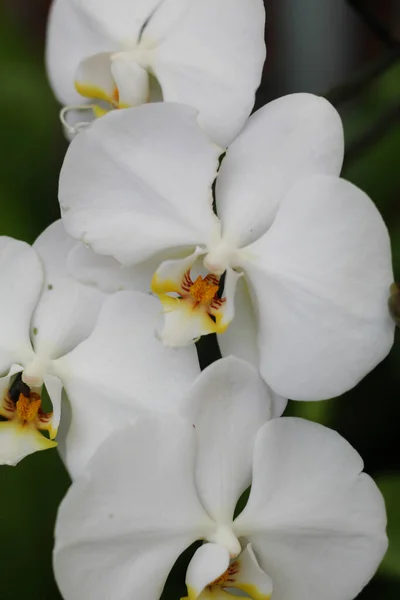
<point>313,527</point>
<point>205,53</point>
<point>311,308</point>
<point>59,333</point>
<point>44,314</point>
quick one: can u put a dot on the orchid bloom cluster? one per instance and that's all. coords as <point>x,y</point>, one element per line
<point>183,217</point>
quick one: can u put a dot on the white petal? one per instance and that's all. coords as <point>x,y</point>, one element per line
<point>121,368</point>
<point>122,20</point>
<point>209,562</point>
<point>108,274</point>
<point>227,405</point>
<point>212,59</point>
<point>71,37</point>
<point>168,277</point>
<point>322,291</point>
<point>227,310</point>
<point>168,15</point>
<point>94,414</point>
<point>54,388</point>
<point>211,575</point>
<point>67,310</point>
<point>94,78</point>
<point>18,441</point>
<point>250,578</point>
<point>124,523</point>
<point>289,138</point>
<point>131,196</point>
<point>316,523</point>
<point>182,326</point>
<point>278,404</point>
<point>131,79</point>
<point>240,339</point>
<point>21,277</point>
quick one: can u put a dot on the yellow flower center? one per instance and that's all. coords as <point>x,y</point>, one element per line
<point>28,407</point>
<point>204,290</point>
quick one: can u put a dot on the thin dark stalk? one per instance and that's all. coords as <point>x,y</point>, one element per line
<point>208,350</point>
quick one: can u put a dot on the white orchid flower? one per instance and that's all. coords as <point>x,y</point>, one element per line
<point>306,255</point>
<point>61,334</point>
<point>313,527</point>
<point>44,314</point>
<point>205,53</point>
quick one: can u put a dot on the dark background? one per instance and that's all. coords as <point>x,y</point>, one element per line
<point>320,46</point>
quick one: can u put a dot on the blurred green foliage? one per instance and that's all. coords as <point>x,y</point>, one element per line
<point>31,145</point>
<point>31,153</point>
<point>390,488</point>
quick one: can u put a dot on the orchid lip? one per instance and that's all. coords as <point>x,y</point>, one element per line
<point>23,424</point>
<point>23,403</point>
<point>194,310</point>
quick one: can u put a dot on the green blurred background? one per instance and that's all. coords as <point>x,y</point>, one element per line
<point>330,44</point>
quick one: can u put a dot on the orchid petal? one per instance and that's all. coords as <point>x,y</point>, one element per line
<point>118,371</point>
<point>182,326</point>
<point>71,37</point>
<point>54,388</point>
<point>122,525</point>
<point>219,77</point>
<point>288,139</point>
<point>227,406</point>
<point>170,274</point>
<point>131,196</point>
<point>21,279</point>
<point>225,313</point>
<point>18,441</point>
<point>94,415</point>
<point>278,404</point>
<point>316,523</point>
<point>166,17</point>
<point>94,79</point>
<point>211,575</point>
<point>67,310</point>
<point>209,562</point>
<point>131,79</point>
<point>108,274</point>
<point>250,578</point>
<point>213,593</point>
<point>240,340</point>
<point>321,291</point>
<point>120,20</point>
